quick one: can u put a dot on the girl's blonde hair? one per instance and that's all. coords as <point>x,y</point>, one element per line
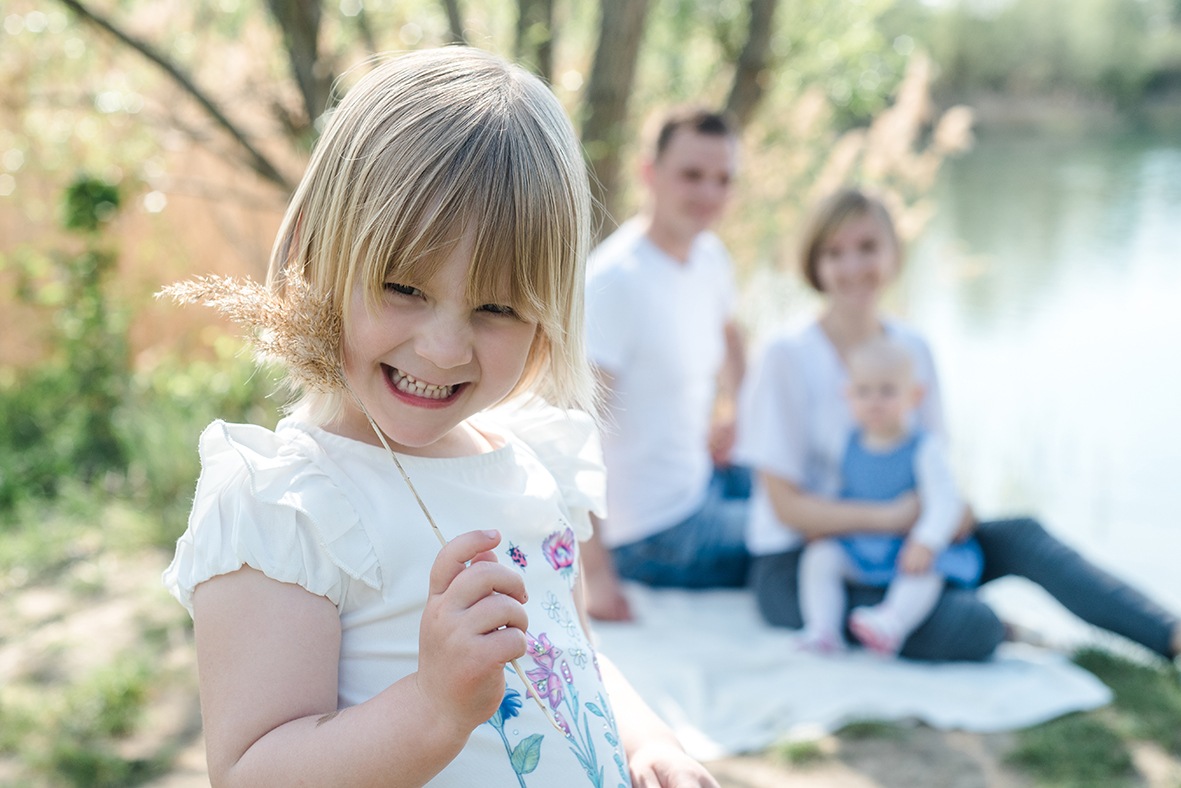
<point>426,148</point>
<point>829,216</point>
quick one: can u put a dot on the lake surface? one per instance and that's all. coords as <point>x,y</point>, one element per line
<point>1049,285</point>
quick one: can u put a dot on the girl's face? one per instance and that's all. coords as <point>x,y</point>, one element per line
<point>856,262</point>
<point>427,358</point>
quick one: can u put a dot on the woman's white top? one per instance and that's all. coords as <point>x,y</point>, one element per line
<point>331,514</point>
<point>794,420</point>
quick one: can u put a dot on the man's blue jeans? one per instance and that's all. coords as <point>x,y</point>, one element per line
<point>705,550</point>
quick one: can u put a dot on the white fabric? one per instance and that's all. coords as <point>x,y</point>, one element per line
<point>824,565</point>
<point>794,420</point>
<point>333,515</point>
<point>657,326</point>
<point>728,683</point>
<point>942,507</point>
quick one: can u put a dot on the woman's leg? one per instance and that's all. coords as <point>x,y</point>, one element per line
<point>961,627</point>
<point>1024,548</point>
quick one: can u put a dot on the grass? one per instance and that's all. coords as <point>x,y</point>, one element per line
<point>1075,751</point>
<point>1092,749</point>
<point>1148,695</point>
<point>800,753</point>
<point>871,729</point>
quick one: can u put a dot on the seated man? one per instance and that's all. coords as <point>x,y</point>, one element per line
<point>660,331</point>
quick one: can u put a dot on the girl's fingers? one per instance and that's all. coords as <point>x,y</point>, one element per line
<point>482,579</point>
<point>494,612</point>
<point>487,555</point>
<point>455,555</point>
<point>503,645</point>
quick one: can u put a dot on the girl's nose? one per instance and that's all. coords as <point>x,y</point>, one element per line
<point>445,340</point>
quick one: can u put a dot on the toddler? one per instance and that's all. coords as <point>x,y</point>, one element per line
<point>443,219</point>
<point>886,458</point>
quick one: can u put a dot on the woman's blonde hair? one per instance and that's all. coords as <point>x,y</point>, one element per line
<point>426,148</point>
<point>829,216</point>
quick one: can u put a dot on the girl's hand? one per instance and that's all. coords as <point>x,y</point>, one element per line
<point>473,624</point>
<point>665,765</point>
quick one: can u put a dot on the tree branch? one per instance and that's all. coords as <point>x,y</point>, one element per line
<point>258,162</point>
<point>747,89</point>
<point>455,21</point>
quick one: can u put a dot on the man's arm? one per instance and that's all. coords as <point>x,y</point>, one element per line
<point>722,432</point>
<point>601,584</point>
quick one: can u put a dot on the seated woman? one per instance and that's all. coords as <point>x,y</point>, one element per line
<point>794,422</point>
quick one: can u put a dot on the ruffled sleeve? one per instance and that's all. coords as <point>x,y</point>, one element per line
<point>262,501</point>
<point>567,444</point>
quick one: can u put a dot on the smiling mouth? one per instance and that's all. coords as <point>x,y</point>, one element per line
<point>408,384</point>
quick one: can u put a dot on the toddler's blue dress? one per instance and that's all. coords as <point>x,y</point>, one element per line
<point>878,476</point>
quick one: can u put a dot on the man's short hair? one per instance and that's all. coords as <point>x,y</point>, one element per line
<point>698,118</point>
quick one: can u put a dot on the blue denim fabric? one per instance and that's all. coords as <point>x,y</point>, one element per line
<point>706,550</point>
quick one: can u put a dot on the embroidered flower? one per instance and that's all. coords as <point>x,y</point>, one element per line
<point>552,606</point>
<point>517,555</point>
<point>579,657</point>
<point>566,674</point>
<point>545,681</point>
<point>563,724</point>
<point>559,549</point>
<point>510,706</point>
<point>543,652</point>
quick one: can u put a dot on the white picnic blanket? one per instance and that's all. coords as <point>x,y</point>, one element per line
<point>728,683</point>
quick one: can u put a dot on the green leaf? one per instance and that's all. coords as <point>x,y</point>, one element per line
<point>595,710</point>
<point>526,754</point>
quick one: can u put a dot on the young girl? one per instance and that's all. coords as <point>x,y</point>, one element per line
<point>445,214</point>
<point>885,457</point>
<point>794,423</point>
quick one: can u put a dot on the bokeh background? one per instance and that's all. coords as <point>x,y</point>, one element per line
<point>1030,149</point>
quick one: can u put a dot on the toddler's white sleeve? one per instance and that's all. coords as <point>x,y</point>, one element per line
<point>942,507</point>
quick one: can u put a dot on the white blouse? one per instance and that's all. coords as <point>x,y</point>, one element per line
<point>794,420</point>
<point>331,514</point>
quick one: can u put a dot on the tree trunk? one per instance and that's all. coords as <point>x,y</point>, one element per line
<point>300,22</point>
<point>535,36</point>
<point>454,21</point>
<point>620,29</point>
<point>751,70</point>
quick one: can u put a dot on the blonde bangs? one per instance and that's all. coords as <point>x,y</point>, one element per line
<point>424,149</point>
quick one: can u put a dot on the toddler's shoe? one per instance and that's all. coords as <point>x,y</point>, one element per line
<point>876,629</point>
<point>825,644</point>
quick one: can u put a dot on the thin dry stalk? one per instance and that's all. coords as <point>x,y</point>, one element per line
<point>302,331</point>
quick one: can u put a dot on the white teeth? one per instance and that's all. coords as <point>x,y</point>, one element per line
<point>411,385</point>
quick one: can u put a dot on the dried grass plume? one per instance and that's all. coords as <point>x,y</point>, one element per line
<point>299,329</point>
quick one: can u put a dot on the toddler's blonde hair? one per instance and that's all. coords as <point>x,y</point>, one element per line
<point>425,148</point>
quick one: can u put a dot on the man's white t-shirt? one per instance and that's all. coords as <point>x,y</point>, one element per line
<point>656,324</point>
<point>794,420</point>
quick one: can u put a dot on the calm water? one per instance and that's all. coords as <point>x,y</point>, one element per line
<point>1049,284</point>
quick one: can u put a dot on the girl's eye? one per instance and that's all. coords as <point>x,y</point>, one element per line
<point>403,289</point>
<point>498,309</point>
